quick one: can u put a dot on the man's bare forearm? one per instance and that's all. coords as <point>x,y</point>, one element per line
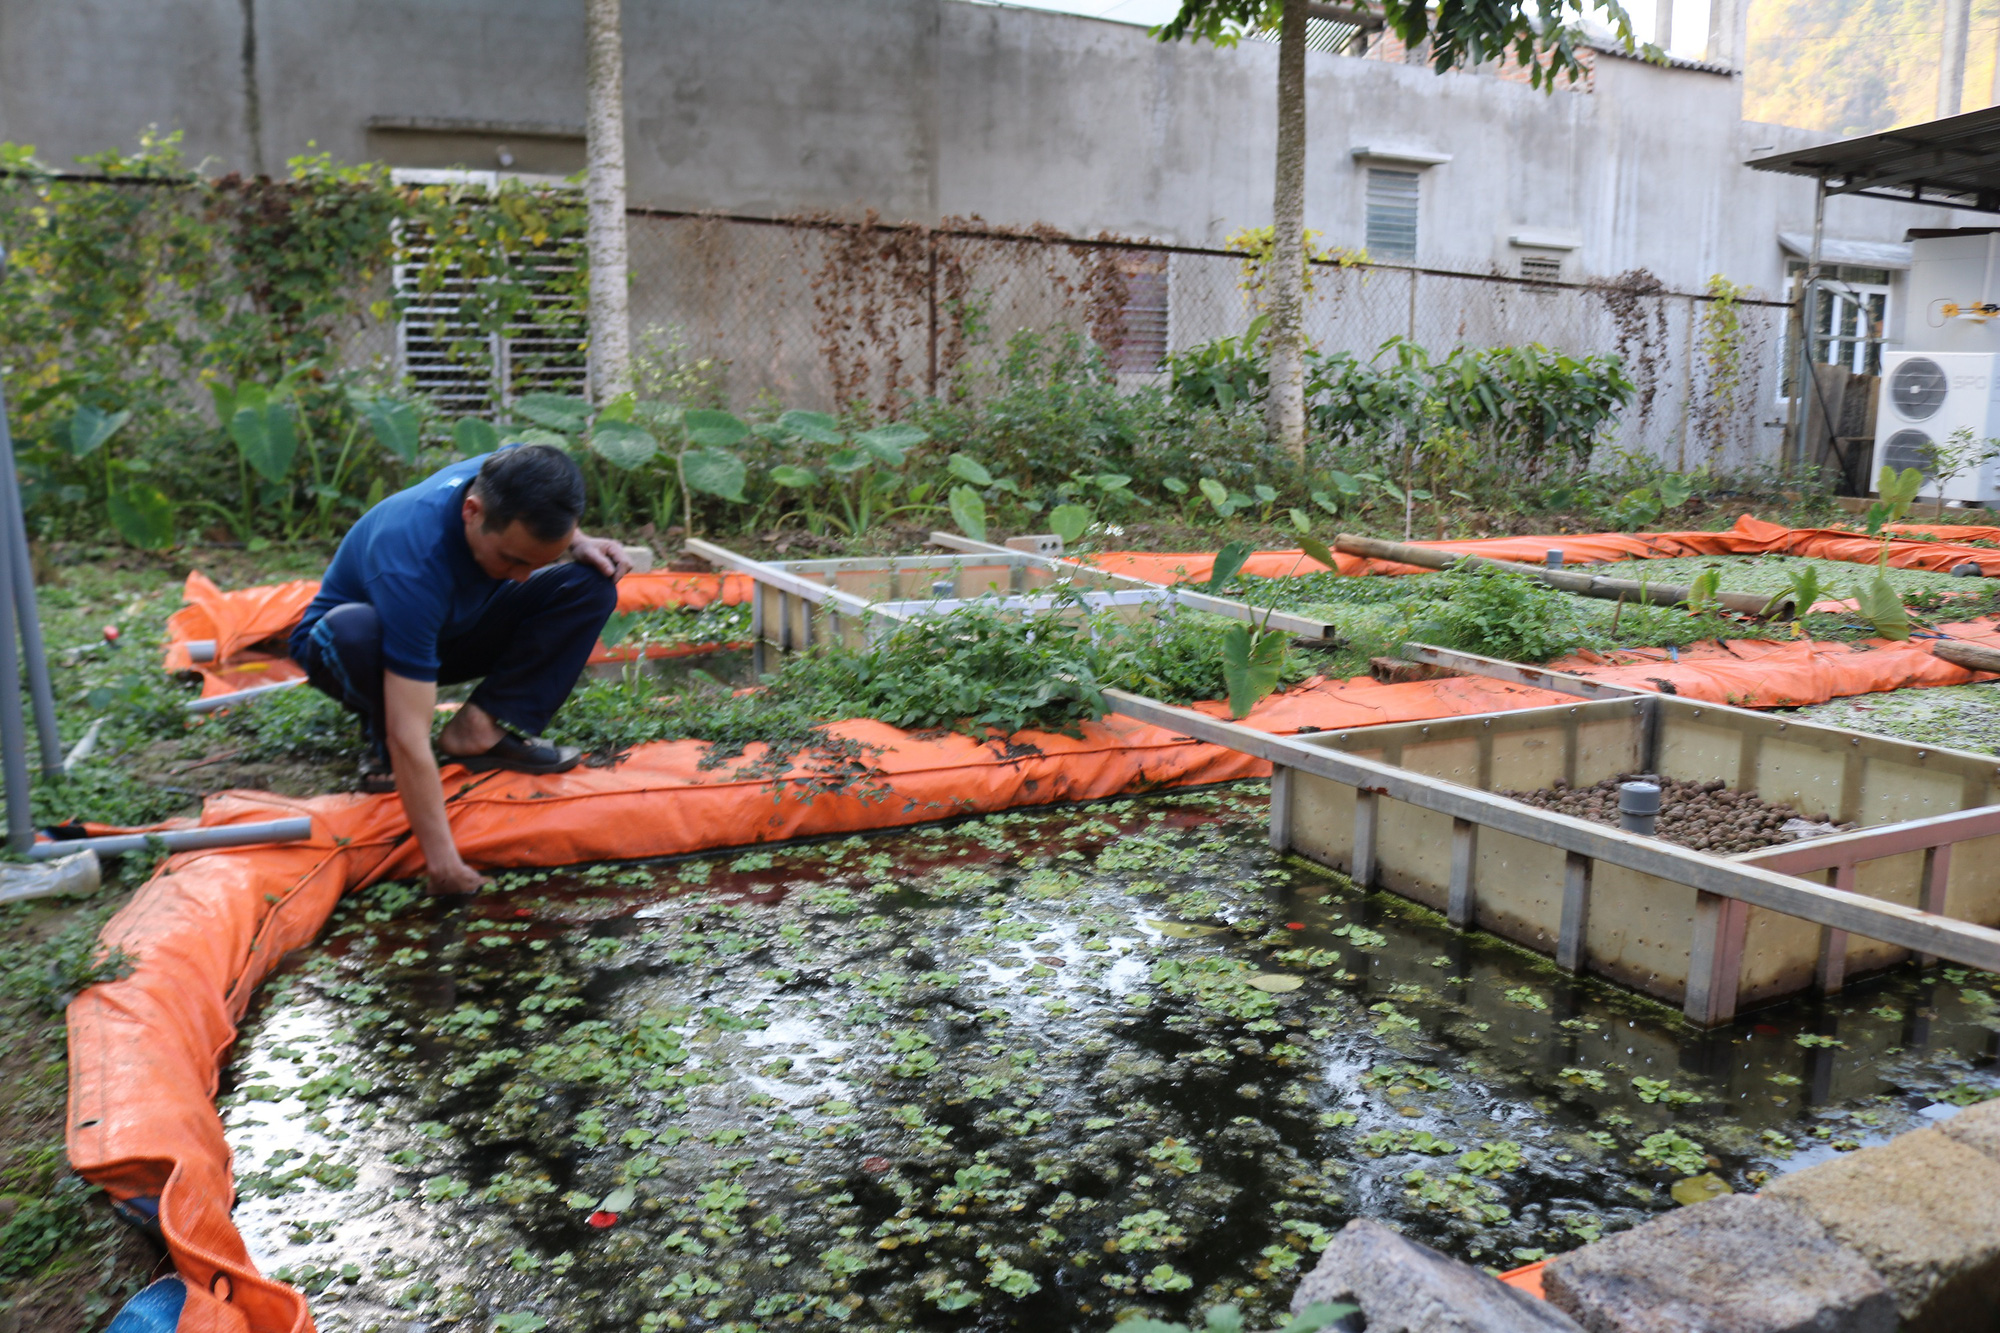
<point>408,707</point>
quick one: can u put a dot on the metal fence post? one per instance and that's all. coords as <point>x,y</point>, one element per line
<point>27,609</point>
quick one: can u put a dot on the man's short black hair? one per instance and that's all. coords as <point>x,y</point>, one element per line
<point>537,484</point>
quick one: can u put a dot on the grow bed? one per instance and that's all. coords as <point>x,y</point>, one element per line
<point>1707,816</point>
<point>1027,1072</point>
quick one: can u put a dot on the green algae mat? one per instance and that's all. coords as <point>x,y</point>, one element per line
<point>1032,1071</point>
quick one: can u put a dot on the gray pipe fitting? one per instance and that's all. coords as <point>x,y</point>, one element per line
<point>1968,569</point>
<point>1552,559</point>
<point>1638,806</point>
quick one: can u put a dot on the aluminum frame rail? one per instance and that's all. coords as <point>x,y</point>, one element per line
<point>1303,627</point>
<point>1738,881</point>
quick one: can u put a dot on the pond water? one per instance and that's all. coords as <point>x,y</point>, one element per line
<point>1023,1072</point>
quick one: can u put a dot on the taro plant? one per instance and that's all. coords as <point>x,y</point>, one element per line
<point>1877,600</point>
<point>1253,655</point>
<point>272,429</point>
<point>858,479</point>
<point>138,510</point>
<point>626,435</point>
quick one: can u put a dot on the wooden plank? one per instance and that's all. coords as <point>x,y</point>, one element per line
<point>1460,906</point>
<point>1715,959</point>
<point>1281,809</point>
<point>1921,932</point>
<point>1562,682</point>
<point>1571,953</point>
<point>1194,601</point>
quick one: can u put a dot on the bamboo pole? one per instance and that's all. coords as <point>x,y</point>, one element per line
<point>1584,585</point>
<point>1972,656</point>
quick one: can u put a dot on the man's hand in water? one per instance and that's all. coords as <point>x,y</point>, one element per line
<point>601,554</point>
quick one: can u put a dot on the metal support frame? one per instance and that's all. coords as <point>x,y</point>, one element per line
<point>20,626</point>
<point>1301,626</point>
<point>1808,313</point>
<point>1741,880</point>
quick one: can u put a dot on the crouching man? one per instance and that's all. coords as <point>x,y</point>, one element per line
<point>456,579</point>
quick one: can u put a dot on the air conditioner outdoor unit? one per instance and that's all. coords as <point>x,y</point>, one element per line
<point>1926,396</point>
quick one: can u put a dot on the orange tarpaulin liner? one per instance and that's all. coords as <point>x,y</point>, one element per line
<point>146,1051</point>
<point>236,620</point>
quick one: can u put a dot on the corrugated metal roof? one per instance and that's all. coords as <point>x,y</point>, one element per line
<point>1953,163</point>
<point>1833,250</point>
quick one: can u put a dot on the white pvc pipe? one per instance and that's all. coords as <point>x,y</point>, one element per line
<point>215,701</point>
<point>181,839</point>
<point>201,650</point>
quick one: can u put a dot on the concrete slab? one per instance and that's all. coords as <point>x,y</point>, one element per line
<point>1924,1211</point>
<point>1976,1127</point>
<point>1406,1287</point>
<point>1731,1265</point>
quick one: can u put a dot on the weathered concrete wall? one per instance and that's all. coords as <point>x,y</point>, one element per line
<point>924,108</point>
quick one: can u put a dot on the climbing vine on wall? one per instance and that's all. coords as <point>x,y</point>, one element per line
<point>1721,345</point>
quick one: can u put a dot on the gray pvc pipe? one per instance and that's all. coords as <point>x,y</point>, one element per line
<point>13,730</point>
<point>181,839</point>
<point>215,701</point>
<point>27,609</point>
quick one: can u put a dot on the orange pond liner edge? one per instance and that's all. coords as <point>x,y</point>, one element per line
<point>146,1052</point>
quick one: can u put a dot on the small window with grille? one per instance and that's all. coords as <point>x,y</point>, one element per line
<point>1392,213</point>
<point>1139,344</point>
<point>466,365</point>
<point>1542,268</point>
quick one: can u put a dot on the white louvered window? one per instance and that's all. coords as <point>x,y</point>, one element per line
<point>1392,213</point>
<point>1142,334</point>
<point>444,355</point>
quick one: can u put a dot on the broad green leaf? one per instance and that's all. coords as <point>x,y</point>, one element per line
<point>474,436</point>
<point>623,444</point>
<point>536,435</point>
<point>556,411</point>
<point>620,1200</point>
<point>143,516</point>
<point>1252,661</point>
<point>1326,502</point>
<point>1900,488</point>
<point>616,626</point>
<point>1265,493</point>
<point>1228,563</point>
<point>1112,481</point>
<point>1277,983</point>
<point>1174,484</point>
<point>815,427</point>
<point>89,428</point>
<point>1675,490</point>
<point>662,418</point>
<point>847,462</point>
<point>225,400</point>
<point>1301,519</point>
<point>1344,483</point>
<point>1881,607</point>
<point>1316,1317</point>
<point>714,430</point>
<point>266,435</point>
<point>891,442</point>
<point>714,472</point>
<point>1319,551</point>
<point>797,477</point>
<point>970,469</point>
<point>520,1321</point>
<point>620,408</point>
<point>1218,495</point>
<point>1069,522</point>
<point>969,512</point>
<point>395,426</point>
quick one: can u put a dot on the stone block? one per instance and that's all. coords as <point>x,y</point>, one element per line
<point>1406,1287</point>
<point>1924,1211</point>
<point>1977,1126</point>
<point>641,557</point>
<point>1731,1265</point>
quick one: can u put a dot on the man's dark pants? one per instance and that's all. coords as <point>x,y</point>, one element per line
<point>529,645</point>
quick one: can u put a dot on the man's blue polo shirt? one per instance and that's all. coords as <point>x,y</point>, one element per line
<point>407,557</point>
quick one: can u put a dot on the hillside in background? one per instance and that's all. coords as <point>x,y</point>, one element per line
<point>1856,66</point>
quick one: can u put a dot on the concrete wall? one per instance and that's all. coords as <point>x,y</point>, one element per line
<point>924,108</point>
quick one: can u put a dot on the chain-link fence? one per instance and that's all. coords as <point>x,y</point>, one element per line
<point>816,313</point>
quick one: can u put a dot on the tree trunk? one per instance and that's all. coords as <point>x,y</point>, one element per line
<point>1951,57</point>
<point>604,193</point>
<point>1284,279</point>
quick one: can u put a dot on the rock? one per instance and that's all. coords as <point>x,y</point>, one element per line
<point>1404,1287</point>
<point>642,558</point>
<point>1924,1211</point>
<point>1731,1265</point>
<point>1977,1127</point>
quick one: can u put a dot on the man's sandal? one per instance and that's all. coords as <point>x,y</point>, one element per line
<point>520,754</point>
<point>377,778</point>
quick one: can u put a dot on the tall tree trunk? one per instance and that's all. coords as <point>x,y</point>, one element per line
<point>1284,280</point>
<point>604,192</point>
